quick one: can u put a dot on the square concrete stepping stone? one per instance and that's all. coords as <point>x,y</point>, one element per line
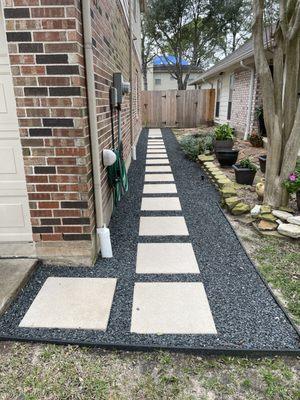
<point>171,308</point>
<point>158,168</point>
<point>151,151</point>
<point>160,204</point>
<point>166,258</point>
<point>159,188</point>
<point>163,226</point>
<point>72,303</point>
<point>154,161</point>
<point>159,178</point>
<point>160,155</point>
<point>159,146</point>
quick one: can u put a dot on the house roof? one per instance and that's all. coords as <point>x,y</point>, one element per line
<point>243,52</point>
<point>161,60</point>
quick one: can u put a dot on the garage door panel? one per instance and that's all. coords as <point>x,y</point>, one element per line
<point>15,222</point>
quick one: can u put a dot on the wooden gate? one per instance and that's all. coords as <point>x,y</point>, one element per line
<point>177,108</point>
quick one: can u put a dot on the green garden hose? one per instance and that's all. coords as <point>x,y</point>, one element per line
<point>117,177</point>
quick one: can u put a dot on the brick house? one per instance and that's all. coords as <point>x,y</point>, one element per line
<point>237,89</point>
<point>57,60</point>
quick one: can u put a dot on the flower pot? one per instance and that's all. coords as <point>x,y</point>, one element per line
<point>298,199</point>
<point>244,176</point>
<point>223,144</point>
<point>262,163</point>
<point>227,157</point>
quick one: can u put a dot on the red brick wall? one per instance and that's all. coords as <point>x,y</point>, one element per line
<point>111,54</point>
<point>47,63</point>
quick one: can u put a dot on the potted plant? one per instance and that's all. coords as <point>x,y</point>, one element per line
<point>245,172</point>
<point>256,140</point>
<point>259,113</point>
<point>227,157</point>
<point>223,137</point>
<point>292,184</point>
<point>262,162</point>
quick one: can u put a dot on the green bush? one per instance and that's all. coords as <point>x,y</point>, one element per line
<point>193,145</point>
<point>190,147</point>
<point>224,132</point>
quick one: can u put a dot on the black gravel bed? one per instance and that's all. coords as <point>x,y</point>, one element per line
<point>246,315</point>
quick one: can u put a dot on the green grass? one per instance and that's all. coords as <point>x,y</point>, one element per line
<point>33,372</point>
<point>279,262</point>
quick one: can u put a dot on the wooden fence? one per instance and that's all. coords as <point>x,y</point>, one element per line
<point>177,108</point>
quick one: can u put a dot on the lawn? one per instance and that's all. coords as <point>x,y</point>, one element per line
<point>36,371</point>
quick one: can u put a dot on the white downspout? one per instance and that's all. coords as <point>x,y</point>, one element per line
<point>250,98</point>
<point>88,52</point>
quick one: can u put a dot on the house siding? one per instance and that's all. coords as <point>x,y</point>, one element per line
<point>47,62</point>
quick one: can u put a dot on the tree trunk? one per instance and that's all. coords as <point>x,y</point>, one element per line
<point>280,100</point>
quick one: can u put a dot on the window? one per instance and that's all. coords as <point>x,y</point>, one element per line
<point>157,81</point>
<point>218,97</point>
<point>231,88</point>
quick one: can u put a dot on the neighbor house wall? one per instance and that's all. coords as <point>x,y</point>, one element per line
<point>47,61</point>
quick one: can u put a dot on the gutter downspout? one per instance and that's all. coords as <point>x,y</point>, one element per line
<point>88,52</point>
<point>250,98</point>
<point>133,149</point>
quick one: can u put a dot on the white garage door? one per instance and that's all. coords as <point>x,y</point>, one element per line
<point>14,211</point>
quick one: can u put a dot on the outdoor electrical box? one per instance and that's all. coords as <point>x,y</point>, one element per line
<point>122,86</point>
<point>113,97</point>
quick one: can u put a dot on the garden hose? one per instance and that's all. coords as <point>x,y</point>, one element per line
<point>117,177</point>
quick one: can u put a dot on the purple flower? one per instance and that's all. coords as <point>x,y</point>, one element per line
<point>292,177</point>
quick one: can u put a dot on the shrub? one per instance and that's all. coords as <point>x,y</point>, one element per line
<point>292,184</point>
<point>190,147</point>
<point>256,140</point>
<point>246,163</point>
<point>194,145</point>
<point>224,132</point>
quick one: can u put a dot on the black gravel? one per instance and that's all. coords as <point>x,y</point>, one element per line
<point>246,315</point>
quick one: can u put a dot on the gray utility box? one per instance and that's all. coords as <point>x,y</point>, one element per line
<point>122,86</point>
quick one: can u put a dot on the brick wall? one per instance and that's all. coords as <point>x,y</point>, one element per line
<point>47,62</point>
<point>240,101</point>
<point>111,54</point>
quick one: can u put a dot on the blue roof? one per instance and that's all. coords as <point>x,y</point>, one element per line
<point>160,60</point>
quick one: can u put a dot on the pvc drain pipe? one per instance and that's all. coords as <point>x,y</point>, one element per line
<point>105,243</point>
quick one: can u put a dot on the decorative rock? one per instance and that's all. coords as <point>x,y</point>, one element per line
<point>267,226</point>
<point>268,217</point>
<point>222,182</point>
<point>231,202</point>
<point>279,221</point>
<point>290,230</point>
<point>287,209</point>
<point>241,208</point>
<point>264,209</point>
<point>282,214</point>
<point>204,158</point>
<point>294,220</point>
<point>228,191</point>
<point>255,210</point>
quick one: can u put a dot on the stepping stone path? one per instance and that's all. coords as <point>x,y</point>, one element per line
<point>158,307</point>
<point>179,278</point>
<point>166,307</point>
